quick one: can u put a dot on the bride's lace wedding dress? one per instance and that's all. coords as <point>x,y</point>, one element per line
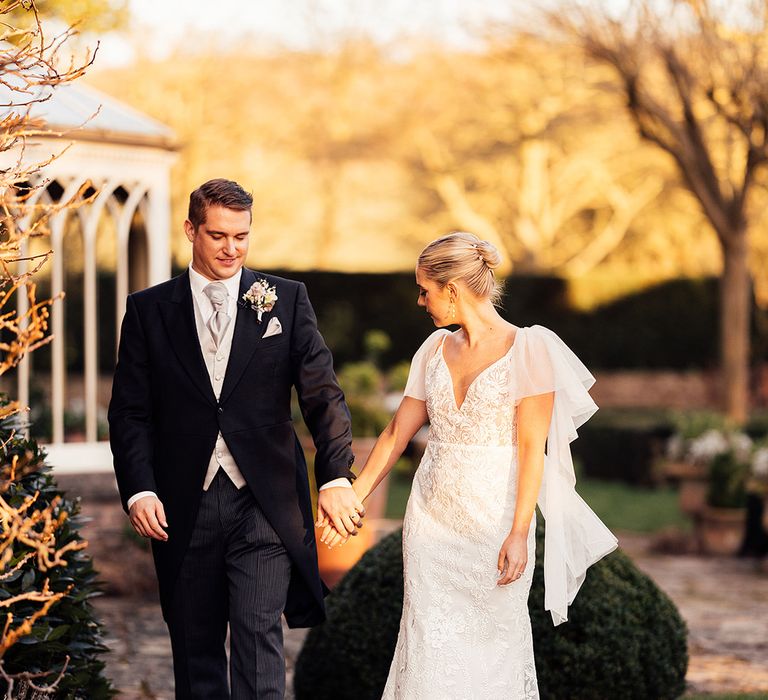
<point>461,635</point>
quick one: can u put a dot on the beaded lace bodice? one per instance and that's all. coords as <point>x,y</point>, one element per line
<point>485,417</point>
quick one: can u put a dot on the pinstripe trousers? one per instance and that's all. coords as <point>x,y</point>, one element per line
<point>235,572</point>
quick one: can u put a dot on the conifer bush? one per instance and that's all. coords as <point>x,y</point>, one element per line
<point>67,640</point>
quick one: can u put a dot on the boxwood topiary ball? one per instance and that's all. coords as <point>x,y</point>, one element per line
<point>624,638</point>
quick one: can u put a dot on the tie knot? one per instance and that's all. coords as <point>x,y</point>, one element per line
<point>217,293</point>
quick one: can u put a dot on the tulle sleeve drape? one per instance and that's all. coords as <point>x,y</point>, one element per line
<point>415,386</point>
<point>575,537</point>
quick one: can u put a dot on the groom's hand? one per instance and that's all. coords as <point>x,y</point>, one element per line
<point>148,518</point>
<point>339,509</point>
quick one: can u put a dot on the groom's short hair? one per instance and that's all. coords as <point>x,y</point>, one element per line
<point>217,192</point>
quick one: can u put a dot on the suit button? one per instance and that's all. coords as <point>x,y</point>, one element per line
<point>221,410</point>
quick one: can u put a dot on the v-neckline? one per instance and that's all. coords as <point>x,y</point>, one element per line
<point>456,404</point>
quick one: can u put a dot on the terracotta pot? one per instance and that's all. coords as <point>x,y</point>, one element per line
<point>720,530</point>
<point>334,563</point>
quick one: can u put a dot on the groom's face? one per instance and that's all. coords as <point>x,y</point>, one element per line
<point>220,243</point>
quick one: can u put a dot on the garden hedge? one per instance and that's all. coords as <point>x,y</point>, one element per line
<point>624,445</point>
<point>671,325</point>
<point>625,638</point>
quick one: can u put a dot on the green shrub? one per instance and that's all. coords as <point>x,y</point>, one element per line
<point>360,379</point>
<point>397,377</point>
<point>625,638</point>
<point>69,628</point>
<point>369,417</point>
<point>362,383</point>
<point>348,656</point>
<point>376,343</point>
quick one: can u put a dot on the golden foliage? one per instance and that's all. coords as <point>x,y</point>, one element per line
<point>357,157</point>
<point>34,530</point>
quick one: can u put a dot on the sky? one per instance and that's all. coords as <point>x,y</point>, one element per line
<point>162,24</point>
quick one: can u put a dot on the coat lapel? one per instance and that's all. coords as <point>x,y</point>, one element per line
<point>179,319</point>
<point>246,338</point>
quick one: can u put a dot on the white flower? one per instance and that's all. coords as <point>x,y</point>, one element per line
<point>261,297</point>
<point>704,448</point>
<point>760,463</point>
<point>742,446</point>
<point>675,447</point>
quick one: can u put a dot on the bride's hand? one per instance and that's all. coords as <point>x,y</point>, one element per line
<point>331,536</point>
<point>513,557</point>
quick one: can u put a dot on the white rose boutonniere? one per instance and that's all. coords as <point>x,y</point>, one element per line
<point>261,297</point>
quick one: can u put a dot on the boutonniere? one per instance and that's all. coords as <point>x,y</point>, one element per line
<point>261,297</point>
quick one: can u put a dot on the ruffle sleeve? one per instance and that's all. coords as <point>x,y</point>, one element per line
<point>575,538</point>
<point>415,386</point>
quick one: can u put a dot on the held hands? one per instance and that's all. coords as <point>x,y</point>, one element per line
<point>148,518</point>
<point>340,513</point>
<point>513,558</point>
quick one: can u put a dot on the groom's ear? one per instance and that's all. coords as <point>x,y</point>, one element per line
<point>189,230</point>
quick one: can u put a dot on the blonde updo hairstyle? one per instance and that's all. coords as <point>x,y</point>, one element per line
<point>463,256</point>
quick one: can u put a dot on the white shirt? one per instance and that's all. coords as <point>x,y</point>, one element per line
<point>216,361</point>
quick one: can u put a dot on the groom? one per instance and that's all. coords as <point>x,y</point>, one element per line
<point>207,460</point>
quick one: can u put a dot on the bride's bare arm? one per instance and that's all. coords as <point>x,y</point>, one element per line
<point>533,417</point>
<point>410,416</point>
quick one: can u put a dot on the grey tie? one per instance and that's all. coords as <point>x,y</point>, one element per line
<point>217,324</point>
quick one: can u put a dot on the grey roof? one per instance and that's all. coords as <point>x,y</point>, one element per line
<point>73,106</point>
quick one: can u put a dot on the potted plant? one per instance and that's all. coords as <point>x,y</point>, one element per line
<point>698,436</point>
<point>728,457</point>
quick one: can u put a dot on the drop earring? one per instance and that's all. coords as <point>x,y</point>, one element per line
<point>452,310</point>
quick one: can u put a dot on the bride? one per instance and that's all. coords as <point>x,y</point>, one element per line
<point>503,403</point>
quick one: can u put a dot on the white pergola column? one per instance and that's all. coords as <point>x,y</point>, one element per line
<point>22,301</point>
<point>159,230</point>
<point>123,235</point>
<point>58,364</point>
<point>91,318</point>
<point>58,345</point>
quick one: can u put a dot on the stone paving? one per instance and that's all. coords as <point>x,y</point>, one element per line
<point>140,660</point>
<point>724,602</point>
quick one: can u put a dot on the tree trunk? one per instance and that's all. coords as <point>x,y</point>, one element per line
<point>735,313</point>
